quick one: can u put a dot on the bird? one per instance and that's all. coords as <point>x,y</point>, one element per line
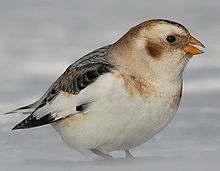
<point>119,96</point>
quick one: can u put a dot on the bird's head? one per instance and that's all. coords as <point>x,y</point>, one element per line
<point>160,45</point>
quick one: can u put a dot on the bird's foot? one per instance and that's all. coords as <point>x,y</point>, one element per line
<point>101,154</point>
<point>128,155</point>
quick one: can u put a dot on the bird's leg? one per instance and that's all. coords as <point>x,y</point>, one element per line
<point>128,155</point>
<point>101,154</point>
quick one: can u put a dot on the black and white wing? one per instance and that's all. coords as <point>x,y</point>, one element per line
<point>71,93</point>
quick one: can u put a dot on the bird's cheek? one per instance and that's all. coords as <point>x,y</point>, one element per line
<point>154,50</point>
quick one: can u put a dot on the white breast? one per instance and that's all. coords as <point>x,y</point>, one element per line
<point>115,120</point>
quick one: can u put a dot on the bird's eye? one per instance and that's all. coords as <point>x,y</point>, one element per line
<point>171,39</point>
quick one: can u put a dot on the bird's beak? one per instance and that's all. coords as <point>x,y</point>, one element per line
<point>193,50</point>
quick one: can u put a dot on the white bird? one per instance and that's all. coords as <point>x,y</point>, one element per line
<point>118,96</point>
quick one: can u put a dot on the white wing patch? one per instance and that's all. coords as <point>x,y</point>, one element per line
<point>65,104</point>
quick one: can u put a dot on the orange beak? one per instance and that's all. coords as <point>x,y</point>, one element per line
<point>193,50</point>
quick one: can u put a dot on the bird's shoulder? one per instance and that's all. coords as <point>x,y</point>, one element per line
<point>77,77</point>
<point>82,73</point>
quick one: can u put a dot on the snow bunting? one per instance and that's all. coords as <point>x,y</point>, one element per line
<point>118,96</point>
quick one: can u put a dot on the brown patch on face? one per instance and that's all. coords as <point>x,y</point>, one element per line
<point>154,50</point>
<point>136,86</point>
<point>176,99</point>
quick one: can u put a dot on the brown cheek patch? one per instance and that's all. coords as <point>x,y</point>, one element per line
<point>154,50</point>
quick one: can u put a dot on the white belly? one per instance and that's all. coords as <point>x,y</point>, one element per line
<point>116,121</point>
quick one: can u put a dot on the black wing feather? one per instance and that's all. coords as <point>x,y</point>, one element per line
<point>76,78</point>
<point>31,121</point>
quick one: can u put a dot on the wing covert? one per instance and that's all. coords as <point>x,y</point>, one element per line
<point>77,77</point>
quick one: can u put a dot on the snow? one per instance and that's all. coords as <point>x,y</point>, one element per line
<point>39,39</point>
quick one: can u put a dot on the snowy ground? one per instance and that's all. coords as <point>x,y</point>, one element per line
<point>39,39</point>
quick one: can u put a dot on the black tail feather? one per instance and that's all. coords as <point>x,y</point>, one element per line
<point>24,109</point>
<point>31,122</point>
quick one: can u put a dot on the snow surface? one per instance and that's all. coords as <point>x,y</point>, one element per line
<point>39,39</point>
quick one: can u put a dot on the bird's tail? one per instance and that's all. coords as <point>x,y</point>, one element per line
<point>9,119</point>
<point>26,110</point>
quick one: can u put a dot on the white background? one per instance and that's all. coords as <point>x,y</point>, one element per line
<point>40,38</point>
